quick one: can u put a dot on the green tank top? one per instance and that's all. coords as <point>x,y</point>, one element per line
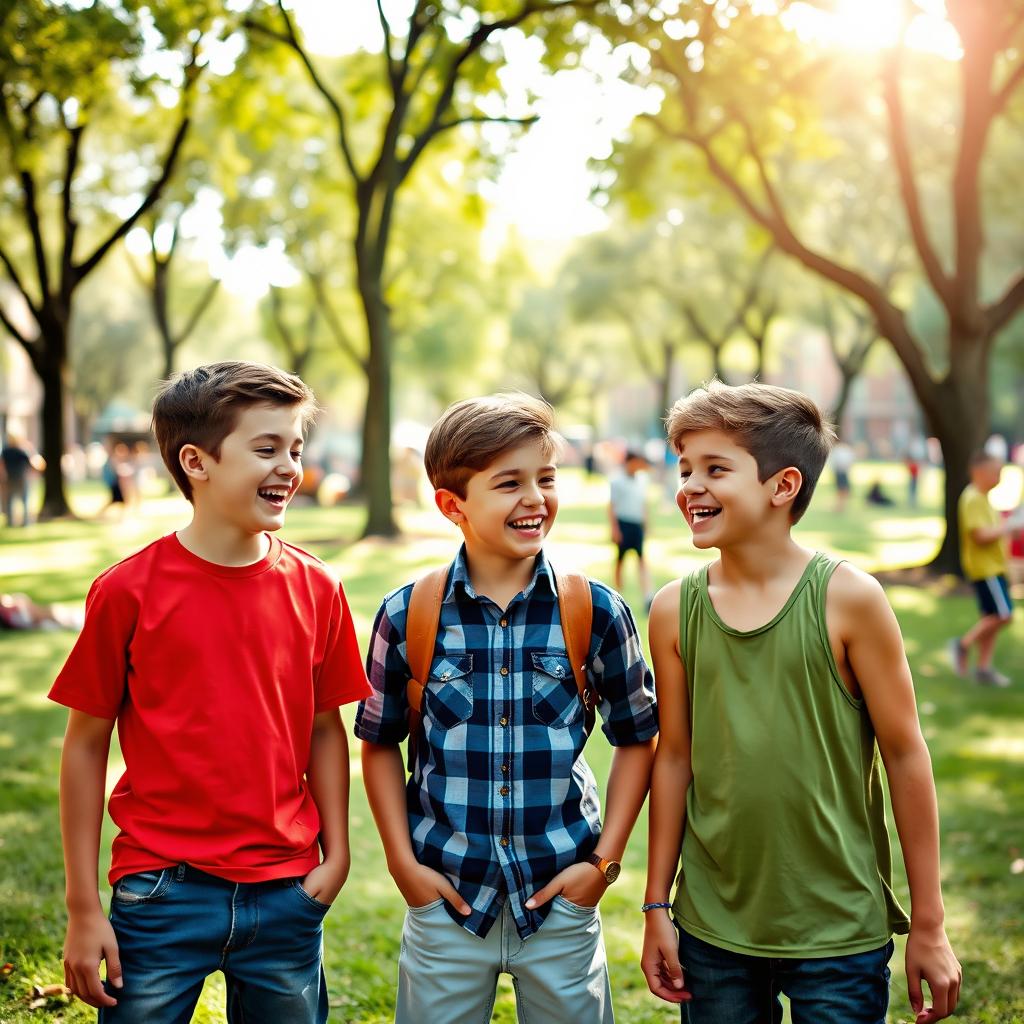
<point>785,851</point>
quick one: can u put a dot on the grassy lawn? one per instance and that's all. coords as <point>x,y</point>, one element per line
<point>976,738</point>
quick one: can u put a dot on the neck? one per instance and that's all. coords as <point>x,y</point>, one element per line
<point>761,560</point>
<point>497,577</point>
<point>222,544</point>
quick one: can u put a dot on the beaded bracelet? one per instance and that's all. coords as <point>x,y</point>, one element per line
<point>655,906</point>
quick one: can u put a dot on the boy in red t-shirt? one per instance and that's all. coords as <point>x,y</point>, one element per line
<point>223,654</point>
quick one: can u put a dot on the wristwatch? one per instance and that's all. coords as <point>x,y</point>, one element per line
<point>609,868</point>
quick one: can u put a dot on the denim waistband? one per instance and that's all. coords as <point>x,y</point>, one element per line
<point>186,872</point>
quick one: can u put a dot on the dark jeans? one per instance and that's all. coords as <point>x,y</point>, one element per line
<point>176,926</point>
<point>733,988</point>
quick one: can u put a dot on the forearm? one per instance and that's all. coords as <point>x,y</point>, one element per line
<point>628,781</point>
<point>83,773</point>
<point>666,811</point>
<point>384,778</point>
<point>915,811</point>
<point>328,778</point>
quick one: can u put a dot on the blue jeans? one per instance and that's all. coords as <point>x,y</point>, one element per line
<point>733,988</point>
<point>176,926</point>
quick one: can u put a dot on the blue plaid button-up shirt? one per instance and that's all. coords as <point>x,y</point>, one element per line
<point>501,798</point>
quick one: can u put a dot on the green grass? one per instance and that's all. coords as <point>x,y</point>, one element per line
<point>976,738</point>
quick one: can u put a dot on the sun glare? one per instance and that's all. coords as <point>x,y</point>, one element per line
<point>875,25</point>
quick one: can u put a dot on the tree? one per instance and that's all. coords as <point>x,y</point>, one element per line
<point>728,60</point>
<point>436,72</point>
<point>68,73</point>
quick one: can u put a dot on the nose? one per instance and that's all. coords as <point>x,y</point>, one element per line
<point>532,495</point>
<point>289,466</point>
<point>691,485</point>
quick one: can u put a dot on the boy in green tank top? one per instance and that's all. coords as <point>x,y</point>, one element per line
<point>781,677</point>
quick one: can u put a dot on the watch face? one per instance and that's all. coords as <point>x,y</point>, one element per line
<point>611,872</point>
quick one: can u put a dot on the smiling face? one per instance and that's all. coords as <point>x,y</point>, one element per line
<point>509,505</point>
<point>258,470</point>
<point>720,495</point>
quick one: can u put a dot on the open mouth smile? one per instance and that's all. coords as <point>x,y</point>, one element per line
<point>276,496</point>
<point>531,524</point>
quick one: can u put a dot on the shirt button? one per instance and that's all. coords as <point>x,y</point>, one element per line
<point>504,671</point>
<point>503,791</point>
<point>504,622</point>
<point>503,720</point>
<point>504,840</point>
<point>504,769</point>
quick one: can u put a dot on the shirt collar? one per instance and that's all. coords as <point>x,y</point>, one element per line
<point>459,577</point>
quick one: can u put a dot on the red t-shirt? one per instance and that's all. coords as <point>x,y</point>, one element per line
<point>214,674</point>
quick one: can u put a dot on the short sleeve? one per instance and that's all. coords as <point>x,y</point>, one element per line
<point>384,716</point>
<point>340,678</point>
<point>624,682</point>
<point>95,675</point>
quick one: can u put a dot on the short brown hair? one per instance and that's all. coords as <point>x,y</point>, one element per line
<point>778,426</point>
<point>471,434</point>
<point>201,407</point>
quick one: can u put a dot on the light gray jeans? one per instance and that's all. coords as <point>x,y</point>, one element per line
<point>447,975</point>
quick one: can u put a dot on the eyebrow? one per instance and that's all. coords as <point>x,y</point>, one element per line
<point>519,472</point>
<point>273,437</point>
<point>707,458</point>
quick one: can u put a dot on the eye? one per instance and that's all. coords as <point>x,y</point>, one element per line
<point>716,469</point>
<point>684,474</point>
<point>507,485</point>
<point>297,456</point>
<point>547,481</point>
<point>265,451</point>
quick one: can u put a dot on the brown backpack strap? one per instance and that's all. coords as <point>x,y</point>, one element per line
<point>422,617</point>
<point>576,610</point>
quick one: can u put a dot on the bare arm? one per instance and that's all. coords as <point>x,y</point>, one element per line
<point>987,534</point>
<point>328,777</point>
<point>90,938</point>
<point>874,648</point>
<point>670,779</point>
<point>384,778</point>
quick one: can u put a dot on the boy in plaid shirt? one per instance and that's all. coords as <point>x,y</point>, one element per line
<point>495,841</point>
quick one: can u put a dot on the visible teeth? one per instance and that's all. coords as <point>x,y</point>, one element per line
<point>527,524</point>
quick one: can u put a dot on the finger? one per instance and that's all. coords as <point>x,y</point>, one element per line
<point>114,968</point>
<point>451,894</point>
<point>538,899</point>
<point>94,987</point>
<point>914,989</point>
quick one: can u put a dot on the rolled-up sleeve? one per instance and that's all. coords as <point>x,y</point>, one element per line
<point>383,717</point>
<point>628,706</point>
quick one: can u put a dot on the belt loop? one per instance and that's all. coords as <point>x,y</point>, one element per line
<point>179,872</point>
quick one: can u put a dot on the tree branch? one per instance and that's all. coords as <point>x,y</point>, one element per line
<point>197,312</point>
<point>290,39</point>
<point>191,72</point>
<point>898,143</point>
<point>334,324</point>
<point>17,335</point>
<point>1004,309</point>
<point>12,273</point>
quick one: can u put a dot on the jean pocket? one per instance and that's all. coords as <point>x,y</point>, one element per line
<point>449,690</point>
<point>426,908</point>
<point>310,900</point>
<point>142,887</point>
<point>555,698</point>
<point>575,908</point>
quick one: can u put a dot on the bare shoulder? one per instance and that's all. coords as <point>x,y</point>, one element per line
<point>855,589</point>
<point>663,618</point>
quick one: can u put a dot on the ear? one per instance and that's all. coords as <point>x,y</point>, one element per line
<point>450,505</point>
<point>193,461</point>
<point>786,485</point>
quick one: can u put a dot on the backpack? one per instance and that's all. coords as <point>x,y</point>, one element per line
<point>575,609</point>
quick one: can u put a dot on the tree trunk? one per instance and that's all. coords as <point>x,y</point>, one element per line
<point>52,370</point>
<point>957,410</point>
<point>375,463</point>
<point>839,408</point>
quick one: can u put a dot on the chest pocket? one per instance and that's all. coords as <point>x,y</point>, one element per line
<point>556,701</point>
<point>449,691</point>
